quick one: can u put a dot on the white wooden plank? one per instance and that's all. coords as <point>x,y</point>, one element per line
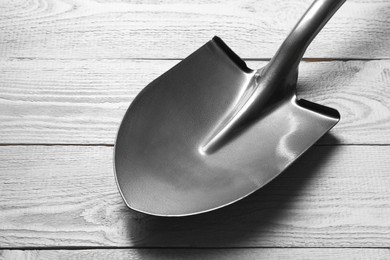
<point>60,196</point>
<point>83,102</point>
<point>174,29</point>
<point>231,253</point>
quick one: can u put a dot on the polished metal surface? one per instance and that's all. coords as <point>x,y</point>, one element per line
<point>210,131</point>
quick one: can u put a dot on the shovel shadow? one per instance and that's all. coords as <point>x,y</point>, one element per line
<point>258,219</point>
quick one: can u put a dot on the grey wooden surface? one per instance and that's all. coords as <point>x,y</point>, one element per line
<point>68,72</point>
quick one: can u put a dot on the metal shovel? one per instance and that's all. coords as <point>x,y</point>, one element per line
<point>211,131</point>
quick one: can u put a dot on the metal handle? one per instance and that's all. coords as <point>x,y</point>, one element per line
<point>278,79</point>
<point>286,60</point>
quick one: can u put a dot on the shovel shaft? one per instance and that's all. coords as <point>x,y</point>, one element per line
<point>286,60</point>
<point>276,81</point>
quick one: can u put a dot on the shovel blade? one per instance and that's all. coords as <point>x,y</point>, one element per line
<point>159,167</point>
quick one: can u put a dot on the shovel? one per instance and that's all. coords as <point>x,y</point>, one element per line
<point>211,131</point>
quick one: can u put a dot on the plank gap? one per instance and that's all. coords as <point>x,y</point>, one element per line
<point>309,59</point>
<point>112,145</point>
<point>75,248</point>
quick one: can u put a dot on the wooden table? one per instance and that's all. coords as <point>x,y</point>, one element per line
<point>70,69</point>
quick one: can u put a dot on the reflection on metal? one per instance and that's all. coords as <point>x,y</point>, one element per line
<point>210,131</point>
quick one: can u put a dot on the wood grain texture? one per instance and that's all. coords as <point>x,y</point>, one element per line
<point>61,196</point>
<point>70,68</point>
<point>217,254</point>
<point>83,102</point>
<point>174,29</point>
